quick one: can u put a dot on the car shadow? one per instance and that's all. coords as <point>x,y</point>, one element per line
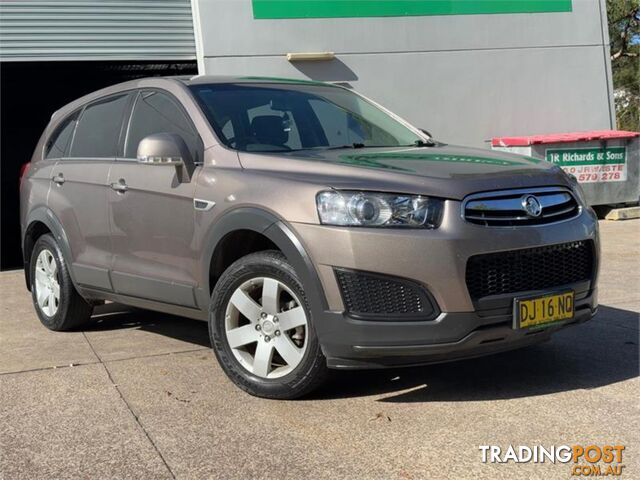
<point>113,316</point>
<point>598,353</point>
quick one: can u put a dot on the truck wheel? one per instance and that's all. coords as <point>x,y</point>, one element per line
<point>261,328</point>
<point>58,305</point>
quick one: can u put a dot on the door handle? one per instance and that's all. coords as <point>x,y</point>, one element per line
<point>59,179</point>
<point>120,186</point>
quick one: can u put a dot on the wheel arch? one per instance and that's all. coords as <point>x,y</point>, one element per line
<point>39,222</point>
<point>279,234</point>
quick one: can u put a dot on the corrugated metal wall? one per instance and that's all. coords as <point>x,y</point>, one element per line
<point>96,30</point>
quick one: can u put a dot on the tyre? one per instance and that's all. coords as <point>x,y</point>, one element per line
<point>262,331</point>
<point>58,305</point>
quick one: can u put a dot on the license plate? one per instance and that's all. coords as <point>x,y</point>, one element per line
<point>542,311</point>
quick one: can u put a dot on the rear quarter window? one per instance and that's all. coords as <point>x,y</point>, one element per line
<point>58,142</point>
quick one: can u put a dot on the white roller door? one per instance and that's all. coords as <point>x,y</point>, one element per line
<point>54,30</point>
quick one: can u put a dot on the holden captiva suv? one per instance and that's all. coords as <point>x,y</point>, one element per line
<point>311,228</point>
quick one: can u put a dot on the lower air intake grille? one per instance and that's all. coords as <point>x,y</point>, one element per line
<point>382,297</point>
<point>530,269</point>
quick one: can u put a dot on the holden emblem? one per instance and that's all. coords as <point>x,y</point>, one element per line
<point>531,205</point>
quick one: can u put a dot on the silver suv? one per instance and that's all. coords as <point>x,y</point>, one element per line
<point>311,228</point>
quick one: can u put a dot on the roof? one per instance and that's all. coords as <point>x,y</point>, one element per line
<point>205,79</point>
<point>561,138</point>
<point>177,80</point>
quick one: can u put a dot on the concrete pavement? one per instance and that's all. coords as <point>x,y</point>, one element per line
<point>140,395</point>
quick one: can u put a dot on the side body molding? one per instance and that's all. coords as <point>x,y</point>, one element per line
<point>276,230</point>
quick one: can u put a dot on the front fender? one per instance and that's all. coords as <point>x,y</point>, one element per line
<point>276,230</point>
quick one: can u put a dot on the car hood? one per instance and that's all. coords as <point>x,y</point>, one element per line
<point>443,170</point>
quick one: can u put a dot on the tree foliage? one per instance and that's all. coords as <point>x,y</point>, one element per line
<point>624,33</point>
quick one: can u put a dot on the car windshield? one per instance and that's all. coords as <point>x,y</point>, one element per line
<point>274,117</point>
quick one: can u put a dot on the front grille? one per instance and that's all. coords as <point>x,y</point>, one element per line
<point>374,295</point>
<point>507,208</point>
<point>530,269</point>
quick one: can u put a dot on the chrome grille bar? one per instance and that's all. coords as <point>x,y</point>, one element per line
<point>506,208</point>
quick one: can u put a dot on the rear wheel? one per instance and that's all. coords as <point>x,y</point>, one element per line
<point>58,305</point>
<point>261,328</point>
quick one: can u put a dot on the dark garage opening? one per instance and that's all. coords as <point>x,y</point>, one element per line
<point>29,93</point>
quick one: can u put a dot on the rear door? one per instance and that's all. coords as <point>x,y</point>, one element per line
<point>152,214</point>
<point>78,195</point>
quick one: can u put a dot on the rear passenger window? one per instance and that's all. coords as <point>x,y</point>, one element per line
<point>155,112</point>
<point>59,141</point>
<point>99,128</point>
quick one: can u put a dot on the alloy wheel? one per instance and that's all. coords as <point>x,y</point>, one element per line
<point>266,327</point>
<point>47,286</point>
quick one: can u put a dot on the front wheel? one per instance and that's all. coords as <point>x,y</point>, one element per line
<point>261,328</point>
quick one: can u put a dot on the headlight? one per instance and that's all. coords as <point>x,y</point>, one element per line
<point>368,209</point>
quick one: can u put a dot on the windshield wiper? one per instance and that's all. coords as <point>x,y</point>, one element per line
<point>422,143</point>
<point>418,143</point>
<point>319,147</point>
<point>338,147</point>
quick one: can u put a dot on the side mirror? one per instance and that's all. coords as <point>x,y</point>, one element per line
<point>167,149</point>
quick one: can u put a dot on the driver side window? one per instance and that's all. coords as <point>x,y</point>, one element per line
<point>156,112</point>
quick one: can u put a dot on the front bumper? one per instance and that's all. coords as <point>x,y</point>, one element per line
<point>353,344</point>
<point>437,260</point>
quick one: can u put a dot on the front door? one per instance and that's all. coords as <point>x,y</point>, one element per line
<point>151,213</point>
